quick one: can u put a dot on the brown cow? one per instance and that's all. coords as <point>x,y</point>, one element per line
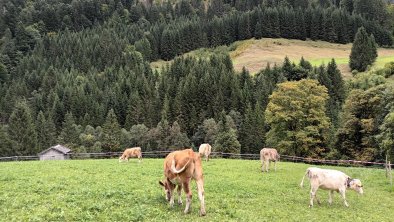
<point>267,154</point>
<point>131,152</point>
<point>179,168</point>
<point>205,150</point>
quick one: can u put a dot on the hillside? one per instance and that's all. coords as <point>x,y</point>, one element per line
<point>255,54</point>
<point>235,190</point>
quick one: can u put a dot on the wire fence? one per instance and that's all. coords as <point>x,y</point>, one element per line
<point>162,154</point>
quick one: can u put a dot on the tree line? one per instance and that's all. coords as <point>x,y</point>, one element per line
<point>92,88</point>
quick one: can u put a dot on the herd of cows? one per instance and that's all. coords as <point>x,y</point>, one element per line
<point>181,166</point>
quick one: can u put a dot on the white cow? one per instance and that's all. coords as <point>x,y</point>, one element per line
<point>331,180</point>
<point>205,150</point>
<point>267,154</point>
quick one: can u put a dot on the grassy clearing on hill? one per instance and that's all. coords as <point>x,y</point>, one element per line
<point>255,54</point>
<point>235,190</point>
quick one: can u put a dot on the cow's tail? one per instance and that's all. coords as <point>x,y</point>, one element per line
<point>174,170</point>
<point>302,181</point>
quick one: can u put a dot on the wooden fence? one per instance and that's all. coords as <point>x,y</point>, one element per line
<point>162,154</point>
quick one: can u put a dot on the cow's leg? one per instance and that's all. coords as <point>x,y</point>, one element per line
<point>312,195</point>
<point>317,198</point>
<point>330,193</point>
<point>139,159</point>
<point>342,192</point>
<point>267,166</point>
<point>262,165</point>
<point>200,189</point>
<point>275,165</point>
<point>186,188</point>
<point>171,190</point>
<point>179,189</point>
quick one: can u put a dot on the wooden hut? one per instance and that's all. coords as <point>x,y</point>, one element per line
<point>57,152</point>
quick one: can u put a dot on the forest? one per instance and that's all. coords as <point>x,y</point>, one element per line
<point>77,72</point>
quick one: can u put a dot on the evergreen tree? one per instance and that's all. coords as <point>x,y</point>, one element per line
<point>336,92</point>
<point>139,135</point>
<point>5,142</point>
<point>252,132</point>
<point>226,140</point>
<point>362,113</point>
<point>363,52</point>
<point>69,136</point>
<point>40,129</point>
<point>22,131</point>
<point>111,133</point>
<point>177,138</point>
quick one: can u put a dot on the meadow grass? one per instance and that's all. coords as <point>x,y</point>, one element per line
<point>256,54</point>
<point>379,63</point>
<point>235,190</point>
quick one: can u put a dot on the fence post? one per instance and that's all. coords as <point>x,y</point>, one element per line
<point>386,167</point>
<point>390,173</point>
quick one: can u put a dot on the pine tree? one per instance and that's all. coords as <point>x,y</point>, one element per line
<point>69,136</point>
<point>40,129</point>
<point>5,142</point>
<point>252,130</point>
<point>363,52</point>
<point>226,140</point>
<point>22,130</point>
<point>111,133</point>
<point>178,139</point>
<point>336,92</point>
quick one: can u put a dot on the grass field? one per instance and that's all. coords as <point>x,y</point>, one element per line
<point>255,54</point>
<point>235,190</point>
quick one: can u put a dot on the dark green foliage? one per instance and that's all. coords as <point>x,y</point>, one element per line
<point>363,51</point>
<point>5,142</point>
<point>21,130</point>
<point>226,140</point>
<point>360,124</point>
<point>91,59</point>
<point>252,131</point>
<point>69,136</point>
<point>111,133</point>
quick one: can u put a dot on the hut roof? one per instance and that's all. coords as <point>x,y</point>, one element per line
<point>58,147</point>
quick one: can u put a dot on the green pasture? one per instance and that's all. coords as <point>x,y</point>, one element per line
<point>379,63</point>
<point>235,190</point>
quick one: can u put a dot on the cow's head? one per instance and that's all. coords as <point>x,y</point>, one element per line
<point>355,184</point>
<point>121,159</point>
<point>167,189</point>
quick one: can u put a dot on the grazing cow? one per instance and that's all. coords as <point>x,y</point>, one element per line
<point>131,152</point>
<point>179,168</point>
<point>205,150</point>
<point>267,154</point>
<point>331,180</point>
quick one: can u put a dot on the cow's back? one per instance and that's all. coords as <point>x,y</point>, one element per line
<point>181,158</point>
<point>269,153</point>
<point>327,178</point>
<point>204,149</point>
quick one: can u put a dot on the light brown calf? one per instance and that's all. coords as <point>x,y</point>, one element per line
<point>131,152</point>
<point>205,150</point>
<point>179,168</point>
<point>267,154</point>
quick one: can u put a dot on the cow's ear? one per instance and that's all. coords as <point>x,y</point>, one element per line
<point>161,183</point>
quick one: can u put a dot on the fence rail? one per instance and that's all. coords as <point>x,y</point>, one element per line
<point>162,154</point>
